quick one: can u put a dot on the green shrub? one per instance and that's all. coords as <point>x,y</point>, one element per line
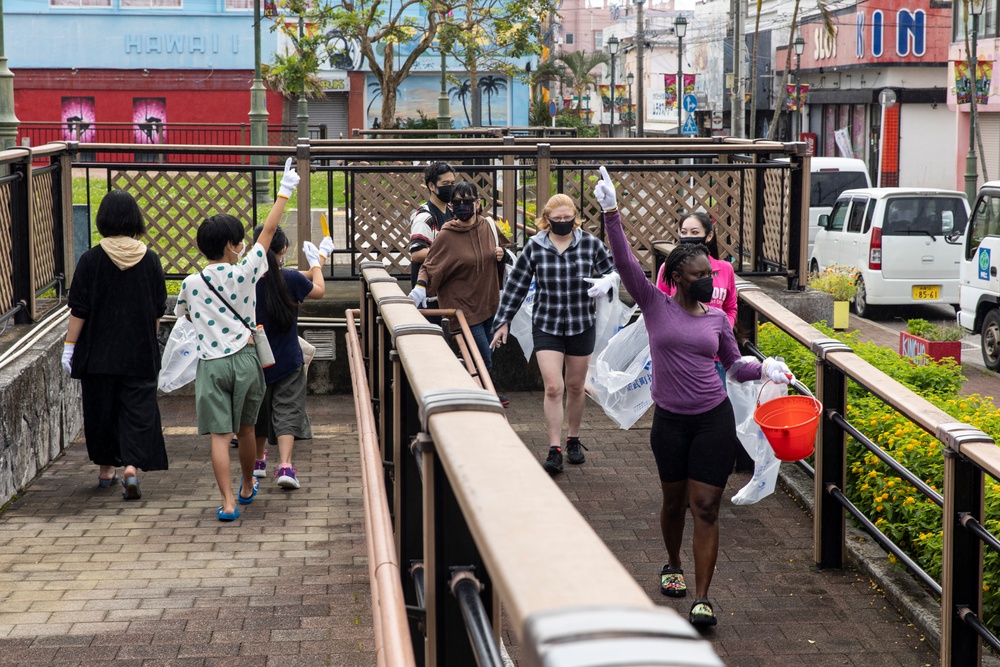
<point>895,506</point>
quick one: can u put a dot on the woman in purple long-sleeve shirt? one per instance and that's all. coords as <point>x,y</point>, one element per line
<point>693,437</point>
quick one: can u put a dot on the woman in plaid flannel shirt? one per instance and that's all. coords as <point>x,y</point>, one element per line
<point>561,259</point>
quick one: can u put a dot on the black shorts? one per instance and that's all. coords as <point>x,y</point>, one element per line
<point>579,345</point>
<point>696,447</point>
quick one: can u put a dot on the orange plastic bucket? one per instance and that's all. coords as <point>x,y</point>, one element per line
<point>789,423</point>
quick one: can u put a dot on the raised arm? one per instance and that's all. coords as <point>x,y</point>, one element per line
<point>289,181</point>
<point>628,266</point>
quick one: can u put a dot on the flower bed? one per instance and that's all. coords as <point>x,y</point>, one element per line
<point>897,508</point>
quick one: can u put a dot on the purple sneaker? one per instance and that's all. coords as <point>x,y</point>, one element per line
<point>286,477</point>
<point>260,466</point>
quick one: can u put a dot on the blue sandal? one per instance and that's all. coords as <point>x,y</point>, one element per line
<point>246,501</point>
<point>105,483</point>
<point>132,490</point>
<point>227,517</point>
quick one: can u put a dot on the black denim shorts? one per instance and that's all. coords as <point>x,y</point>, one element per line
<point>579,345</point>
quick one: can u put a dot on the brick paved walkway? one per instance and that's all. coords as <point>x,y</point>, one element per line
<point>88,579</point>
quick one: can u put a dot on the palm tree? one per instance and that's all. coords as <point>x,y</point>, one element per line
<point>374,91</point>
<point>461,93</point>
<point>580,64</point>
<point>491,85</point>
<point>546,71</point>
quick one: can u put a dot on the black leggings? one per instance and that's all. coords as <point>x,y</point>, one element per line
<point>700,447</point>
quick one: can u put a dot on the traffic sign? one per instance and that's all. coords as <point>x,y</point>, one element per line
<point>690,127</point>
<point>690,103</point>
<point>552,108</point>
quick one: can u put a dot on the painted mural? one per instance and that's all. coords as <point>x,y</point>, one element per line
<point>79,117</point>
<point>150,116</point>
<point>419,94</point>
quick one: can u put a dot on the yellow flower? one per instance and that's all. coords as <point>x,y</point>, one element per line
<point>878,508</point>
<point>890,484</point>
<point>873,474</point>
<point>899,432</point>
<point>864,487</point>
<point>909,500</point>
<point>909,447</point>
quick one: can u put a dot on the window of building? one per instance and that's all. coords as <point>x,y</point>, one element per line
<point>569,38</point>
<point>238,5</point>
<point>79,3</point>
<point>152,4</point>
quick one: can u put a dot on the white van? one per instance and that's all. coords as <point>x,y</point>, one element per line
<point>906,243</point>
<point>979,289</point>
<point>828,177</point>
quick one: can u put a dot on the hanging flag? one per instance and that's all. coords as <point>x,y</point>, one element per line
<point>670,90</point>
<point>270,9</point>
<point>792,104</point>
<point>984,76</point>
<point>689,80</point>
<point>963,84</point>
<point>605,91</point>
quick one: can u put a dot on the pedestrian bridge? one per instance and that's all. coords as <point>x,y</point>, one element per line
<point>427,533</point>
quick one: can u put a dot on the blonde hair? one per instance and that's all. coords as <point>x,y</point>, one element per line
<point>555,202</point>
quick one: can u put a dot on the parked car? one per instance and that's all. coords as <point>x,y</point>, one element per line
<point>979,288</point>
<point>905,242</point>
<point>828,178</point>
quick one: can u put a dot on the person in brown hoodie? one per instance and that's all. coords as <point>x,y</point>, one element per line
<point>464,266</point>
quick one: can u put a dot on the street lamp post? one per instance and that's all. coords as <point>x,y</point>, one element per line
<point>8,121</point>
<point>680,29</point>
<point>800,46</point>
<point>258,113</point>
<point>613,43</point>
<point>629,80</point>
<point>971,172</point>
<point>303,115</point>
<point>444,109</point>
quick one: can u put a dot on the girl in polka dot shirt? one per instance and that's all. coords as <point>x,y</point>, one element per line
<point>229,384</point>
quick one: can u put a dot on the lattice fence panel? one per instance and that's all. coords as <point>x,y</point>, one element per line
<point>777,189</point>
<point>383,204</point>
<point>6,263</point>
<point>652,203</point>
<point>43,231</point>
<point>174,203</point>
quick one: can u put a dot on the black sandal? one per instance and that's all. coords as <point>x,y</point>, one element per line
<point>702,614</point>
<point>672,582</point>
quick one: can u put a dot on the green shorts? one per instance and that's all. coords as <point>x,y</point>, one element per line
<point>228,391</point>
<point>283,410</point>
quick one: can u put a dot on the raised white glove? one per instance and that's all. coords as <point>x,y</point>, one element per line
<point>776,371</point>
<point>67,356</point>
<point>604,191</point>
<point>600,286</point>
<point>289,180</point>
<point>325,249</point>
<point>419,296</point>
<point>312,254</point>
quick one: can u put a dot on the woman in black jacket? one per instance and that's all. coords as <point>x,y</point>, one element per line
<point>116,300</point>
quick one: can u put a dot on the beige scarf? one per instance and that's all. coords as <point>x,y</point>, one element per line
<point>124,251</point>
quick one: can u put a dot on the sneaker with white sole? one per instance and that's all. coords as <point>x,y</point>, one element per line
<point>286,477</point>
<point>260,467</point>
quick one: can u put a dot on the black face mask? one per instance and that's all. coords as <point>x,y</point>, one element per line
<point>562,228</point>
<point>444,192</point>
<point>463,212</point>
<point>693,239</point>
<point>701,289</point>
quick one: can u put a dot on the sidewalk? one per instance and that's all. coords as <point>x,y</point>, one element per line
<point>86,578</point>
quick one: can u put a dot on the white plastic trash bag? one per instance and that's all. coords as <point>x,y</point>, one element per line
<point>623,375</point>
<point>744,397</point>
<point>180,358</point>
<point>612,317</point>
<point>520,324</point>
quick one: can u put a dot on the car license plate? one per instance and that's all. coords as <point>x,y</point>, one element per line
<point>924,292</point>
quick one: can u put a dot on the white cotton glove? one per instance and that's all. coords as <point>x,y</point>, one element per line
<point>311,252</point>
<point>604,191</point>
<point>325,249</point>
<point>419,296</point>
<point>776,371</point>
<point>289,180</point>
<point>67,356</point>
<point>600,286</point>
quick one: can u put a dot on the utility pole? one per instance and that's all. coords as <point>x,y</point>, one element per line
<point>444,109</point>
<point>8,121</point>
<point>303,115</point>
<point>258,113</point>
<point>737,106</point>
<point>640,69</point>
